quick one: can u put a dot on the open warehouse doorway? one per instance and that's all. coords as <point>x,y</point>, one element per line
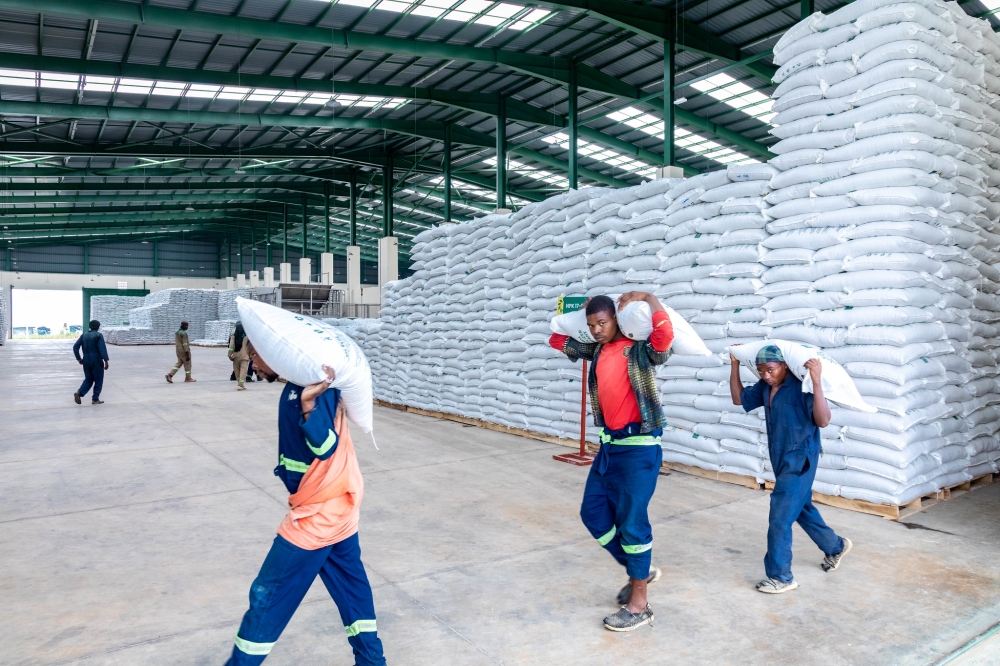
<point>45,313</point>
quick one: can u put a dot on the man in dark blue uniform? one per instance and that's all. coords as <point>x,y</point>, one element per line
<point>94,362</point>
<point>793,420</point>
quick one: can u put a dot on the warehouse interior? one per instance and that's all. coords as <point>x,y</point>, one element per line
<point>437,180</point>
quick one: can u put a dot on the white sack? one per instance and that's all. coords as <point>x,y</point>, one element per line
<point>297,347</point>
<point>837,384</point>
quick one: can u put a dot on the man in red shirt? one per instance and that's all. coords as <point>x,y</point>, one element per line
<point>622,479</point>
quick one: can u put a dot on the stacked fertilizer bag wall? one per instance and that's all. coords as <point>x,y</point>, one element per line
<point>158,318</point>
<point>218,329</point>
<point>113,310</point>
<point>365,332</point>
<point>4,317</point>
<point>880,247</point>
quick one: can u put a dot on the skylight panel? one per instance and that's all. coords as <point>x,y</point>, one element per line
<point>202,91</point>
<point>135,86</point>
<point>234,93</point>
<point>358,3</point>
<point>169,88</point>
<point>736,95</point>
<point>394,6</point>
<point>91,83</point>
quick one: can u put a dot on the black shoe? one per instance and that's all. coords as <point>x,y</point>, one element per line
<point>76,397</point>
<point>97,402</point>
<point>232,377</point>
<point>624,620</point>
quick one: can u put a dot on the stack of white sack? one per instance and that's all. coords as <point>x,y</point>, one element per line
<point>219,330</point>
<point>113,310</point>
<point>4,318</point>
<point>366,333</point>
<point>160,316</point>
<point>467,333</point>
<point>217,333</point>
<point>881,245</point>
<point>710,272</point>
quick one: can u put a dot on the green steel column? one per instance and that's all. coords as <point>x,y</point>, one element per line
<point>806,8</point>
<point>502,154</point>
<point>352,196</point>
<point>10,262</point>
<point>571,121</point>
<point>326,216</point>
<point>267,247</point>
<point>239,247</point>
<point>387,187</point>
<point>668,103</point>
<point>253,244</point>
<point>447,172</point>
<point>229,258</point>
<point>86,258</point>
<point>305,233</point>
<point>156,259</point>
<point>218,260</point>
<point>284,233</point>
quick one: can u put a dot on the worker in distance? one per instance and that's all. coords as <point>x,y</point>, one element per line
<point>793,420</point>
<point>622,479</point>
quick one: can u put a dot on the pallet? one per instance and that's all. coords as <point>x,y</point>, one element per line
<point>479,423</point>
<point>726,477</point>
<point>901,511</point>
<point>887,511</point>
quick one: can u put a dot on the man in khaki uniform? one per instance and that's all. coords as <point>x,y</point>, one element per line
<point>183,354</point>
<point>239,355</point>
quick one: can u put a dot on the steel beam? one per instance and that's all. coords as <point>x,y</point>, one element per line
<point>550,69</point>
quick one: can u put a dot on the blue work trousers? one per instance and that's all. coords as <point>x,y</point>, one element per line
<point>616,501</point>
<point>791,502</point>
<point>93,375</point>
<point>286,575</point>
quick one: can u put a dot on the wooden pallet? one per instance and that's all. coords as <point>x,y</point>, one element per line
<point>901,511</point>
<point>887,511</point>
<point>726,477</point>
<point>479,423</point>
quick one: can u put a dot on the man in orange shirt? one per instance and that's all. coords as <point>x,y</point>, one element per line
<point>319,536</point>
<point>626,406</point>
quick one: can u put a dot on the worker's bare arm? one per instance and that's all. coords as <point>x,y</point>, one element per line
<point>313,391</point>
<point>821,409</point>
<point>735,385</point>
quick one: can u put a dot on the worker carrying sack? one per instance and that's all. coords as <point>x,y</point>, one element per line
<point>297,347</point>
<point>636,322</point>
<point>838,386</point>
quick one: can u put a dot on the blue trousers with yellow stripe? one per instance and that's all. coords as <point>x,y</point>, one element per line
<point>615,501</point>
<point>286,575</point>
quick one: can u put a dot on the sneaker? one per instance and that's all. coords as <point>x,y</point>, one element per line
<point>772,586</point>
<point>76,398</point>
<point>97,402</point>
<point>832,562</point>
<point>626,620</point>
<point>625,593</point>
<point>170,380</point>
<point>241,388</point>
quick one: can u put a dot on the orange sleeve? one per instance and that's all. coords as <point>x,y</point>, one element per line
<point>663,332</point>
<point>558,341</point>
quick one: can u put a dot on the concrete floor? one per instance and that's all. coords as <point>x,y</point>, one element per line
<point>131,532</point>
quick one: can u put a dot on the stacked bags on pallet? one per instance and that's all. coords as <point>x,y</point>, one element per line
<point>155,321</point>
<point>113,310</point>
<point>466,333</point>
<point>4,317</point>
<point>881,244</point>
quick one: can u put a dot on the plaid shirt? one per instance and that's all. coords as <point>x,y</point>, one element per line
<point>641,359</point>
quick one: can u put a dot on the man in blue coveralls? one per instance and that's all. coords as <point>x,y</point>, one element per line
<point>793,441</point>
<point>94,362</point>
<point>319,535</point>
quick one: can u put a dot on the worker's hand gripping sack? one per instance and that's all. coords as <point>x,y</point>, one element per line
<point>838,387</point>
<point>297,347</point>
<point>636,322</point>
